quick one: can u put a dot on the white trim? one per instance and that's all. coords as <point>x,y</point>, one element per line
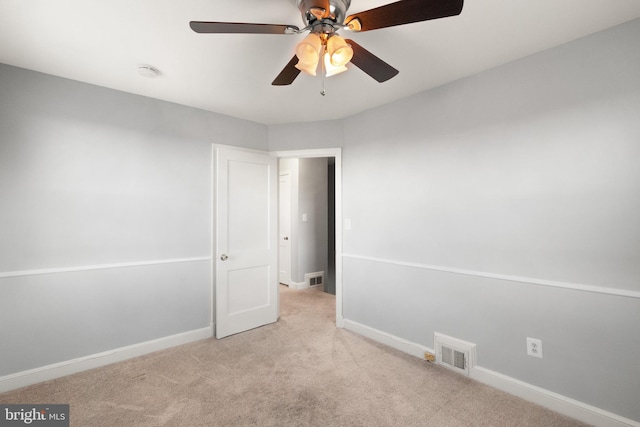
<point>293,234</point>
<point>100,267</point>
<point>298,285</point>
<point>554,401</point>
<point>69,367</point>
<point>308,154</point>
<point>401,344</point>
<point>548,399</point>
<point>212,243</point>
<point>337,154</point>
<point>339,221</point>
<point>519,279</point>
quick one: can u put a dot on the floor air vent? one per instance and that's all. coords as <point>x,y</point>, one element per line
<point>454,354</point>
<point>314,279</point>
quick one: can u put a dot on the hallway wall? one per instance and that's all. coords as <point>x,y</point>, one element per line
<point>309,199</point>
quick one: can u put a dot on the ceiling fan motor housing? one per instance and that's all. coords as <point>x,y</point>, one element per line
<point>311,13</point>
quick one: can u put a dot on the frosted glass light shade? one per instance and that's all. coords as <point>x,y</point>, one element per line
<point>340,53</point>
<point>330,69</point>
<point>307,68</point>
<point>308,49</point>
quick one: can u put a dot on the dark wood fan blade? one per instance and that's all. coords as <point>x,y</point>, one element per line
<point>239,28</point>
<point>288,74</point>
<point>371,64</point>
<point>404,12</point>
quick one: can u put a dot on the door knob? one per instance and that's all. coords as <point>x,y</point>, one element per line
<point>224,257</point>
<point>286,237</point>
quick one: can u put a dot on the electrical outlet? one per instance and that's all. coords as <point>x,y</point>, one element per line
<point>534,347</point>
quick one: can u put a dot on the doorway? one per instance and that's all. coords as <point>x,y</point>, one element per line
<point>306,221</point>
<point>304,217</point>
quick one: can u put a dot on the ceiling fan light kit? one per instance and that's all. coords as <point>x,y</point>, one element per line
<point>334,50</point>
<point>323,19</point>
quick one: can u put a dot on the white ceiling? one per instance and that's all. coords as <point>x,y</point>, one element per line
<point>102,42</point>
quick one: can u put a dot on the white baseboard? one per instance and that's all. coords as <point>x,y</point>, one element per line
<point>548,399</point>
<point>556,402</point>
<point>401,344</point>
<point>298,285</point>
<point>57,370</point>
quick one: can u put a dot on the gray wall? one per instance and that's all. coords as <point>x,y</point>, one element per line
<point>312,200</point>
<point>528,170</point>
<point>93,177</point>
<point>295,136</point>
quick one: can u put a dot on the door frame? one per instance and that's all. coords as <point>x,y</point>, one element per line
<point>291,231</point>
<point>337,154</point>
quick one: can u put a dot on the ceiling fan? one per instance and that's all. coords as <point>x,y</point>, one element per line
<point>323,48</point>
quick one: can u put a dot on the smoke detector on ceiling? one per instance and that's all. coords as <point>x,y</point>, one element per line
<point>148,71</point>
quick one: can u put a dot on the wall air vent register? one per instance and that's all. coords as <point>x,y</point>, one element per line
<point>455,354</point>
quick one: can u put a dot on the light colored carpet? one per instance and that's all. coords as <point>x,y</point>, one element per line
<point>301,371</point>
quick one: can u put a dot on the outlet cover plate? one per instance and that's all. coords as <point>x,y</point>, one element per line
<point>534,347</point>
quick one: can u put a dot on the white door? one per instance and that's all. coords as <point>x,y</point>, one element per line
<point>285,229</point>
<point>246,240</point>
